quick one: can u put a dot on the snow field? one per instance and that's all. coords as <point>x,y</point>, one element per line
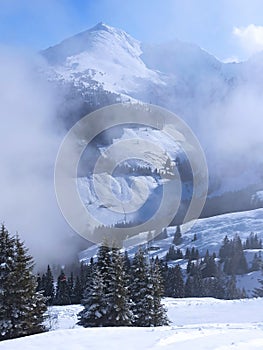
<point>197,323</point>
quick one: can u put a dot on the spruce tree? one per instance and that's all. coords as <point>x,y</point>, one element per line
<point>94,302</point>
<point>177,236</point>
<point>140,285</point>
<point>120,313</point>
<point>197,282</point>
<point>48,286</point>
<point>174,284</point>
<point>159,315</point>
<point>62,291</point>
<point>146,292</point>
<point>77,292</point>
<point>189,287</point>
<point>21,307</point>
<point>231,290</point>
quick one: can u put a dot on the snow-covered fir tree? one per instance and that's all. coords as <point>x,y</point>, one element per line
<point>21,307</point>
<point>94,302</point>
<point>146,292</point>
<point>158,312</point>
<point>120,313</point>
<point>140,290</point>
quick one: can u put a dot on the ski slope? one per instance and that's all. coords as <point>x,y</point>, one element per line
<point>199,323</point>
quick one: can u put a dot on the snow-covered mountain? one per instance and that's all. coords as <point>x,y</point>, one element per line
<point>220,101</point>
<point>104,54</point>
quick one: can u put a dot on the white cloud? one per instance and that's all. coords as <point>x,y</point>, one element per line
<point>250,37</point>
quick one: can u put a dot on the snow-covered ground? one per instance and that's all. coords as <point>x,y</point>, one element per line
<point>210,233</point>
<point>196,323</point>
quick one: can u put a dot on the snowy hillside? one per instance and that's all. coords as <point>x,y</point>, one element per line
<point>210,233</point>
<point>203,323</point>
<point>143,189</point>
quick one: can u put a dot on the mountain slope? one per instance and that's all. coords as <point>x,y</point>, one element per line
<point>105,54</point>
<point>221,102</point>
<point>210,233</point>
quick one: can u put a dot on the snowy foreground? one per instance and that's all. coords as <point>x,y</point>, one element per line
<point>197,323</point>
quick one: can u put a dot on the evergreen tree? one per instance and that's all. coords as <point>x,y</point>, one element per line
<point>146,292</point>
<point>174,284</point>
<point>127,262</point>
<point>225,250</point>
<point>197,282</point>
<point>256,264</point>
<point>189,287</point>
<point>48,286</point>
<point>95,305</point>
<point>77,292</point>
<point>21,307</point>
<point>231,290</point>
<point>158,312</point>
<point>232,255</point>
<point>71,286</point>
<point>177,236</point>
<point>171,254</point>
<point>209,267</point>
<point>39,287</point>
<point>119,313</point>
<point>252,242</point>
<point>187,253</point>
<point>141,297</point>
<point>62,291</point>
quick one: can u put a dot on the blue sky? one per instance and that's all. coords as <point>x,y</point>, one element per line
<point>225,28</point>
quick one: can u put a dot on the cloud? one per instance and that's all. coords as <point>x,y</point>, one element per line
<point>250,37</point>
<point>28,146</point>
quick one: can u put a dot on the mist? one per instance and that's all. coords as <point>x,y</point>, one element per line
<point>28,145</point>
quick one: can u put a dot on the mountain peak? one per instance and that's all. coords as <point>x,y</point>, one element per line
<point>101,26</point>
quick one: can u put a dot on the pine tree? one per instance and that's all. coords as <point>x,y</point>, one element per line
<point>177,236</point>
<point>77,292</point>
<point>197,282</point>
<point>127,262</point>
<point>71,286</point>
<point>171,254</point>
<point>62,291</point>
<point>120,313</point>
<point>94,302</point>
<point>39,287</point>
<point>231,290</point>
<point>48,286</point>
<point>209,267</point>
<point>140,289</point>
<point>174,286</point>
<point>189,288</point>
<point>256,262</point>
<point>158,312</point>
<point>146,292</point>
<point>22,308</point>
